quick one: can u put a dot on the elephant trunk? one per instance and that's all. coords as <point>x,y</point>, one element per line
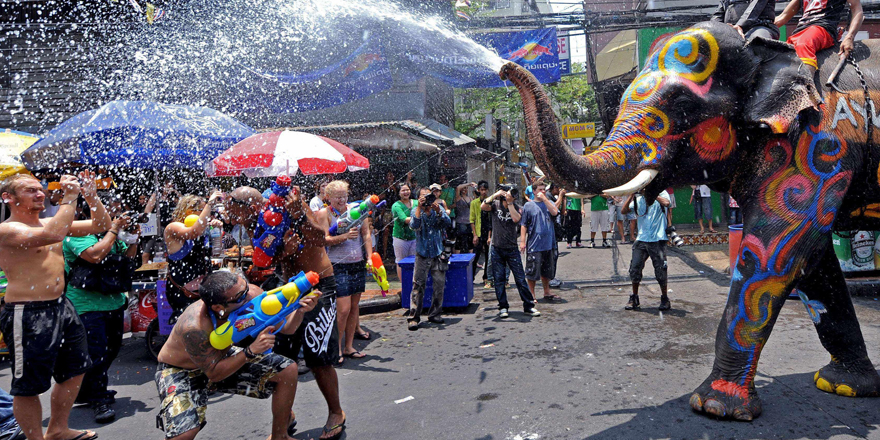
<point>592,174</point>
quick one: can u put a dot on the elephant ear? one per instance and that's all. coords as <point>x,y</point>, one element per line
<point>781,87</point>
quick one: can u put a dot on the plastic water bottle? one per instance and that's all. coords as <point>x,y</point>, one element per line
<point>216,241</point>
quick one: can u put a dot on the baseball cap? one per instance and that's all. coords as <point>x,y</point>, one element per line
<point>435,186</point>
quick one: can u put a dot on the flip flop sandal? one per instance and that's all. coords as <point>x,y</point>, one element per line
<point>338,363</point>
<point>355,355</point>
<point>333,428</point>
<point>86,435</point>
<point>363,336</point>
<point>552,298</point>
<point>291,429</point>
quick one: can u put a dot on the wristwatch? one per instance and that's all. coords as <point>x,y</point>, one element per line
<point>248,354</point>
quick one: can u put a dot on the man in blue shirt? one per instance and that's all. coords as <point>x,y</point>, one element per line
<point>429,221</point>
<point>650,241</point>
<point>538,239</point>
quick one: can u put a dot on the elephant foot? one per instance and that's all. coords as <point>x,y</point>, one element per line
<point>726,400</point>
<point>850,380</point>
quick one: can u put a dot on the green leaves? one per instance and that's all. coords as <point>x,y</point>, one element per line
<point>572,97</point>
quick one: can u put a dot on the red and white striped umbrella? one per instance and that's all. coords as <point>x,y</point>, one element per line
<point>284,153</point>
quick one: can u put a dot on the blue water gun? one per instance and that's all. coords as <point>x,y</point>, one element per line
<point>273,223</point>
<point>268,309</point>
<point>356,215</point>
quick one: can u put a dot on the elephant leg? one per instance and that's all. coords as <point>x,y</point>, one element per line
<point>825,295</point>
<point>786,221</point>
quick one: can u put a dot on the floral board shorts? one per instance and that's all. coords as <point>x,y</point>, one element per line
<point>184,393</point>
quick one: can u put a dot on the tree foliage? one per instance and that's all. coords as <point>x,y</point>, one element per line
<point>572,98</point>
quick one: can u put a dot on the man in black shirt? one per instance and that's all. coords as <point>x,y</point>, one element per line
<point>505,214</point>
<point>751,18</point>
<point>817,28</point>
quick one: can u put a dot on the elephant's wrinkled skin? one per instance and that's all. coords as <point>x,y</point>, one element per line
<point>746,118</point>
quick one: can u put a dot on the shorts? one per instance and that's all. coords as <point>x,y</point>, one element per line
<point>318,335</point>
<point>600,221</point>
<point>641,250</point>
<point>184,393</point>
<point>46,340</point>
<point>541,264</point>
<point>614,213</point>
<point>810,41</point>
<point>351,278</point>
<point>403,249</point>
<point>703,209</point>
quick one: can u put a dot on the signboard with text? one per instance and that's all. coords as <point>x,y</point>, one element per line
<point>578,131</point>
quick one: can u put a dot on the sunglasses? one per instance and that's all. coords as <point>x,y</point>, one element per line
<point>239,297</point>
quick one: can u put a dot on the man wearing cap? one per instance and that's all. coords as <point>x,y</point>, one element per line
<point>437,191</point>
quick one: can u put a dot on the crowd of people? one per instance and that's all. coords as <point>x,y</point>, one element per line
<point>88,247</point>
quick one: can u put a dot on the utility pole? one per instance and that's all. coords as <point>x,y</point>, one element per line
<point>591,67</point>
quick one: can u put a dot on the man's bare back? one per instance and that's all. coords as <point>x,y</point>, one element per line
<point>30,247</point>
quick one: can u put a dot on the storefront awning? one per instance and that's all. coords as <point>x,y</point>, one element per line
<point>420,135</point>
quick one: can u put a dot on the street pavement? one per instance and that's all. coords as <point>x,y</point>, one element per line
<point>586,369</point>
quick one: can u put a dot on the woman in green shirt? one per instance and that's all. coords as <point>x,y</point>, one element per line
<point>101,314</point>
<point>404,237</point>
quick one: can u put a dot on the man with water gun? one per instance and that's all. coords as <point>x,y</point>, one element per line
<point>190,365</point>
<point>318,336</point>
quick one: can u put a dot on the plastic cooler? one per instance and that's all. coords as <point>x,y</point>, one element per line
<point>459,289</point>
<point>736,235</point>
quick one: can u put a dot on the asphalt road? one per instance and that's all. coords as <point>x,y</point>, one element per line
<point>585,369</point>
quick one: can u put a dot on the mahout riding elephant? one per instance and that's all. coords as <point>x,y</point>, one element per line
<point>749,119</point>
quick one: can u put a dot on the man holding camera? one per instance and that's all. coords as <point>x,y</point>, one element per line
<point>538,240</point>
<point>505,218</point>
<point>650,241</point>
<point>30,254</point>
<point>101,309</point>
<point>429,221</point>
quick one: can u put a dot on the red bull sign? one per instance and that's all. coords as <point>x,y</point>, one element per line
<point>529,52</point>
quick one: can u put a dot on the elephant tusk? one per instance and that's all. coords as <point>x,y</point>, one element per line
<point>640,181</point>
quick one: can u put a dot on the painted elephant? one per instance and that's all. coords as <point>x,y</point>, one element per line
<point>748,118</point>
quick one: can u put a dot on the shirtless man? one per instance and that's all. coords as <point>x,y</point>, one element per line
<point>189,365</point>
<point>30,254</point>
<point>318,336</point>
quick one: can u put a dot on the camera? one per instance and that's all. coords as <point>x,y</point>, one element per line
<point>137,217</point>
<point>673,237</point>
<point>429,200</point>
<point>506,188</point>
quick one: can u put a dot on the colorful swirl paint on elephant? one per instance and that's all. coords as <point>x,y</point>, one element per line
<point>710,108</point>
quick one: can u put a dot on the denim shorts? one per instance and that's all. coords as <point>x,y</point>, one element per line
<point>351,278</point>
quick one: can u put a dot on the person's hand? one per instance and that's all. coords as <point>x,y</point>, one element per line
<point>291,242</point>
<point>215,196</point>
<point>540,197</point>
<point>216,223</point>
<point>293,203</point>
<point>476,240</point>
<point>265,340</point>
<point>739,30</point>
<point>422,201</point>
<point>508,196</point>
<point>473,184</point>
<point>70,186</point>
<point>522,247</point>
<point>846,47</point>
<point>119,223</point>
<point>353,233</point>
<point>308,302</point>
<point>436,206</point>
<point>88,187</point>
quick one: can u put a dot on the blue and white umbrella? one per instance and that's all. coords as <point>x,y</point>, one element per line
<point>138,134</point>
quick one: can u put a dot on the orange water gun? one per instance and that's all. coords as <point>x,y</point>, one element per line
<point>377,268</point>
